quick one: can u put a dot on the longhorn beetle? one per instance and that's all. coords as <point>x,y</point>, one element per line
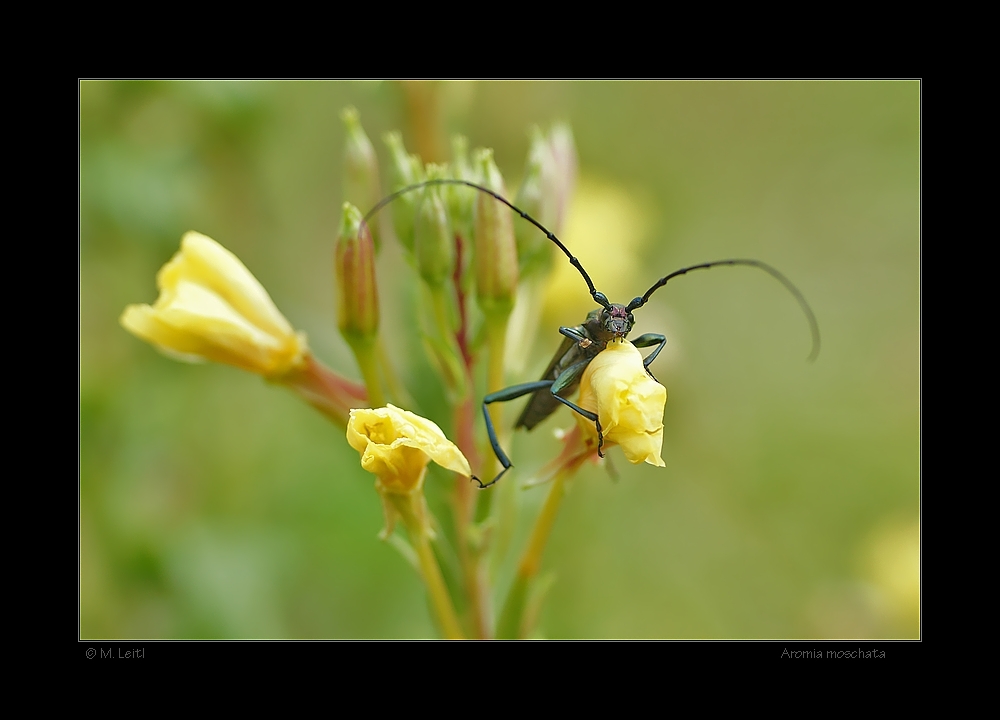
<point>582,343</point>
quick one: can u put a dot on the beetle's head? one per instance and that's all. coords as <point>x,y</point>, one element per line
<point>615,318</point>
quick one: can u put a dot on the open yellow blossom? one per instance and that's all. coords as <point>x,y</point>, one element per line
<point>627,400</point>
<point>212,308</point>
<point>396,445</point>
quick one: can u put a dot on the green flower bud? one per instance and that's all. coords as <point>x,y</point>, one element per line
<point>434,244</point>
<point>496,249</point>
<point>461,199</point>
<point>404,170</point>
<point>354,268</point>
<point>361,185</point>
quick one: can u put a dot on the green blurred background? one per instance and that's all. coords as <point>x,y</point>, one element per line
<point>215,505</point>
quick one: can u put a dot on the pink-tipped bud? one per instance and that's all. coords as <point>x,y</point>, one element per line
<point>564,153</point>
<point>354,267</point>
<point>539,197</point>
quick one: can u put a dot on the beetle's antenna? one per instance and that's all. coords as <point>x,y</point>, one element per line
<point>453,181</point>
<point>813,325</point>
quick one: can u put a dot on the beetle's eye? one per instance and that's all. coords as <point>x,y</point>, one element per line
<point>631,319</point>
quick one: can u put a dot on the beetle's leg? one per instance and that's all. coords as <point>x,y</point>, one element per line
<point>568,377</point>
<point>590,416</point>
<point>574,334</point>
<point>646,341</point>
<point>504,395</point>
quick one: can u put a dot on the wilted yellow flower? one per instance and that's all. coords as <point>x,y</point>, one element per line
<point>627,400</point>
<point>396,445</point>
<point>212,308</point>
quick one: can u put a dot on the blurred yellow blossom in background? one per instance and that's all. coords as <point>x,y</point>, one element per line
<point>892,563</point>
<point>606,226</point>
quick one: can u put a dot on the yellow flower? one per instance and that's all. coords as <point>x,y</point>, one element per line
<point>396,445</point>
<point>627,400</point>
<point>212,308</point>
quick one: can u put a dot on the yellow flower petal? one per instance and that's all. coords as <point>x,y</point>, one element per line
<point>211,307</point>
<point>628,402</point>
<point>396,445</point>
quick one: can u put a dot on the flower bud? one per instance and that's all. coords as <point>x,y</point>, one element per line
<point>628,402</point>
<point>564,155</point>
<point>354,268</point>
<point>212,308</point>
<point>361,184</point>
<point>404,170</point>
<point>538,196</point>
<point>462,199</point>
<point>434,244</point>
<point>496,249</point>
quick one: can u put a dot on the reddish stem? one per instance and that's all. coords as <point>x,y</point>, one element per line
<point>465,438</point>
<point>328,392</point>
<point>462,336</point>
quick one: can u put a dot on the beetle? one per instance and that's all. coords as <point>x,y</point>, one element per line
<point>582,343</point>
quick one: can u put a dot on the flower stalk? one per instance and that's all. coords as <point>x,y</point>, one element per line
<point>412,511</point>
<point>325,390</point>
<point>397,392</point>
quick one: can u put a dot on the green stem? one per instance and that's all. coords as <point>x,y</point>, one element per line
<point>509,625</point>
<point>442,313</point>
<point>496,340</point>
<point>365,353</point>
<point>436,588</point>
<point>397,391</point>
<point>449,354</point>
<point>412,509</point>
